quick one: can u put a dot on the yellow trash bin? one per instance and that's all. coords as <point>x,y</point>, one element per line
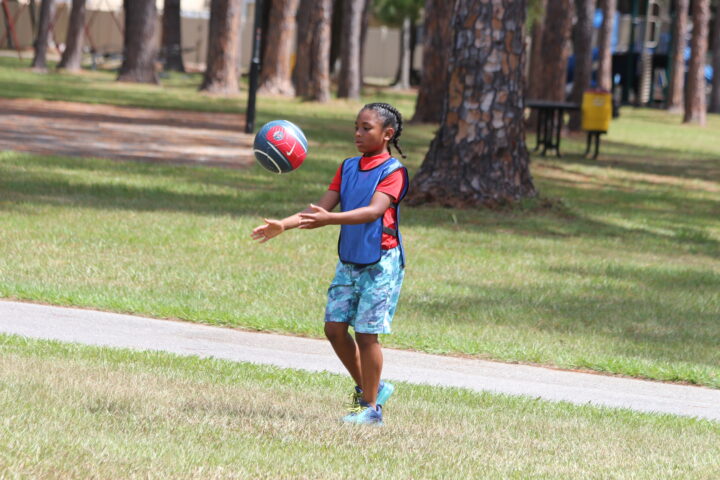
<point>596,110</point>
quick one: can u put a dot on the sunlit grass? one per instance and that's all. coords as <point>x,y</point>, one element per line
<point>615,267</point>
<point>84,412</point>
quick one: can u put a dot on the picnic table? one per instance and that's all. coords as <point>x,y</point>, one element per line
<point>549,123</point>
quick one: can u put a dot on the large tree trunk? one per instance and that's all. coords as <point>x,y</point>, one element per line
<point>223,46</point>
<point>605,81</point>
<point>402,77</point>
<point>532,85</point>
<point>72,56</point>
<point>43,33</point>
<point>336,34</point>
<point>555,51</point>
<point>139,52</point>
<point>714,106</point>
<point>695,91</point>
<point>479,156</point>
<point>276,75</point>
<point>349,81</point>
<point>437,45</point>
<point>582,49</point>
<point>312,67</point>
<point>677,57</point>
<point>172,37</point>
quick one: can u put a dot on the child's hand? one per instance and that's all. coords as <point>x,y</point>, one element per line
<point>272,228</point>
<point>318,217</point>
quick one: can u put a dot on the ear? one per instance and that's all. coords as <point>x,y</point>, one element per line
<point>389,133</point>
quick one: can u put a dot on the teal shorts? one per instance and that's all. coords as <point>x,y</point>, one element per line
<point>366,297</point>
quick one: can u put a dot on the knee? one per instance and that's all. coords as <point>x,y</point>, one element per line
<point>365,340</point>
<point>335,331</point>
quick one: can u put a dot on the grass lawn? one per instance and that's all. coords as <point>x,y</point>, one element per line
<point>82,412</point>
<point>615,268</point>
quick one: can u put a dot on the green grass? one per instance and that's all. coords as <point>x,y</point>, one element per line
<point>82,412</point>
<point>615,268</point>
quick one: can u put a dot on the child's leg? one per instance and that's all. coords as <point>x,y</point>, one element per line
<point>345,348</point>
<point>371,363</point>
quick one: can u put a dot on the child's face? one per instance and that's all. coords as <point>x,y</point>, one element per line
<point>371,138</point>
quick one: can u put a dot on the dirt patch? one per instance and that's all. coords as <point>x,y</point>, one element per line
<point>125,133</point>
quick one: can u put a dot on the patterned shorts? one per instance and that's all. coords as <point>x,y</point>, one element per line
<point>366,297</point>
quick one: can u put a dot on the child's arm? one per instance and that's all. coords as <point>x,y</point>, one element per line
<point>273,228</point>
<point>318,216</point>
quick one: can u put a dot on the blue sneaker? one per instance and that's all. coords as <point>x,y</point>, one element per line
<point>366,416</point>
<point>386,389</point>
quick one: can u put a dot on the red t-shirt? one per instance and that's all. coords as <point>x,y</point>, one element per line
<point>393,185</point>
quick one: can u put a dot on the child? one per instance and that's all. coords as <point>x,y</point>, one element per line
<point>369,274</point>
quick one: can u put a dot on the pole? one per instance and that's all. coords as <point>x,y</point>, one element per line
<point>254,68</point>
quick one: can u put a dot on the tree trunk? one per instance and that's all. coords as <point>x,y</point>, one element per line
<point>276,75</point>
<point>582,49</point>
<point>72,56</point>
<point>533,85</point>
<point>172,37</point>
<point>312,67</point>
<point>714,106</point>
<point>605,81</point>
<point>555,52</point>
<point>349,82</point>
<point>402,77</point>
<point>336,34</point>
<point>677,57</point>
<point>41,40</point>
<point>363,34</point>
<point>479,156</point>
<point>695,92</point>
<point>437,45</point>
<point>223,45</point>
<point>139,52</point>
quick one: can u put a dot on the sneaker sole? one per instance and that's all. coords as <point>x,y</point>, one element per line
<point>384,394</point>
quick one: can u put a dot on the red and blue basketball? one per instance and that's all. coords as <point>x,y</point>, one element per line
<point>280,146</point>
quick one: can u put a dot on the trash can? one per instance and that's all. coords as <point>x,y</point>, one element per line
<point>596,110</point>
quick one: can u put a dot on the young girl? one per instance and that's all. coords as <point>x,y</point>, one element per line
<point>369,274</point>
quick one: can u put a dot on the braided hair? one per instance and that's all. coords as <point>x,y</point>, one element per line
<point>391,118</point>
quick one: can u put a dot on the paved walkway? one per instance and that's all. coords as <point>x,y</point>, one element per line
<point>127,331</point>
<point>125,133</point>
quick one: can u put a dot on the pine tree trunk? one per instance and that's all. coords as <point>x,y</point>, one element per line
<point>582,48</point>
<point>402,77</point>
<point>695,91</point>
<point>555,51</point>
<point>437,45</point>
<point>676,87</point>
<point>223,45</point>
<point>172,37</point>
<point>72,56</point>
<point>140,51</point>
<point>276,75</point>
<point>533,85</point>
<point>605,81</point>
<point>363,35</point>
<point>41,40</point>
<point>312,67</point>
<point>349,82</point>
<point>479,156</point>
<point>714,106</point>
<point>336,29</point>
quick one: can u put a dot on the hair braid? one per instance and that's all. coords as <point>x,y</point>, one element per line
<point>391,118</point>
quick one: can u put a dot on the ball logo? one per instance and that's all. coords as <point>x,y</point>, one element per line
<point>279,134</point>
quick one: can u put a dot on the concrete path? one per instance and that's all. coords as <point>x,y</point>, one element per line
<point>127,331</point>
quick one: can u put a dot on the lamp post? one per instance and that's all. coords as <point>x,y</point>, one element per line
<point>254,68</point>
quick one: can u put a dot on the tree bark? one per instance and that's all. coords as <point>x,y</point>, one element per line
<point>479,156</point>
<point>533,86</point>
<point>582,49</point>
<point>349,82</point>
<point>276,75</point>
<point>172,37</point>
<point>139,52</point>
<point>312,67</point>
<point>676,86</point>
<point>41,40</point>
<point>437,46</point>
<point>72,56</point>
<point>223,45</point>
<point>555,51</point>
<point>695,91</point>
<point>402,77</point>
<point>605,81</point>
<point>714,106</point>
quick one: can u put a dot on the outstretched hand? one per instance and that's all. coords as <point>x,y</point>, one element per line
<point>272,228</point>
<point>314,218</point>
